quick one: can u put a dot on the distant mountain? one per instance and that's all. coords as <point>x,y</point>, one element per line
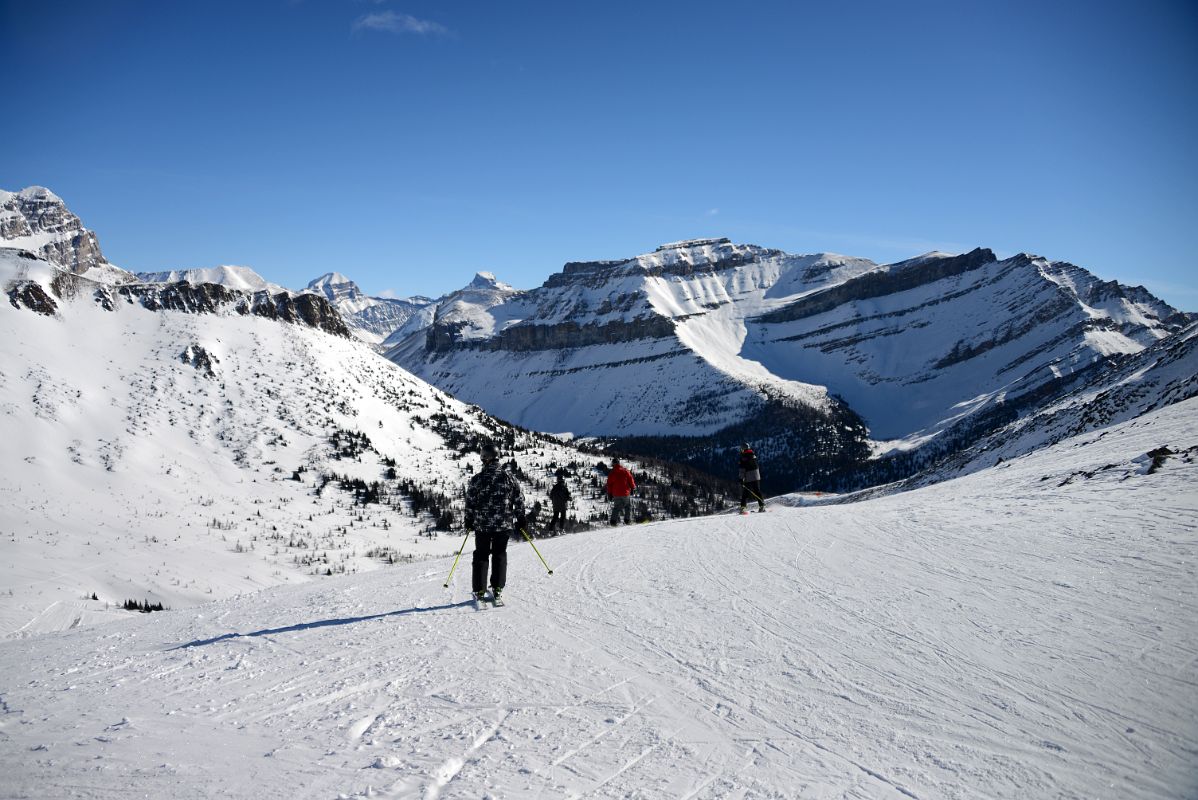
<point>372,319</point>
<point>819,360</point>
<point>37,220</point>
<point>240,278</point>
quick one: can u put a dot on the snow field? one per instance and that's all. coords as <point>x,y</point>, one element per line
<point>1027,631</point>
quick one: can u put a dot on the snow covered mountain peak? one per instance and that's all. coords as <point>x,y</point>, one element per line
<point>37,220</point>
<point>487,280</point>
<point>330,279</point>
<point>340,290</point>
<point>38,194</point>
<point>235,277</point>
<point>372,319</point>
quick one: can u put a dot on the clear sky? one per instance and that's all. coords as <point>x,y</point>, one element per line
<point>410,144</point>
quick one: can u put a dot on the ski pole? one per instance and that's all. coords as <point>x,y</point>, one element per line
<point>535,550</point>
<point>750,491</point>
<point>455,560</point>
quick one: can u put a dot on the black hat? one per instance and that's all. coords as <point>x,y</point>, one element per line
<point>745,446</point>
<point>490,452</point>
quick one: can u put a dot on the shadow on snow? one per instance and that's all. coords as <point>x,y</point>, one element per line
<point>324,623</point>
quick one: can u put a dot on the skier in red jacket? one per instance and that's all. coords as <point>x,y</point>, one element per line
<point>620,485</point>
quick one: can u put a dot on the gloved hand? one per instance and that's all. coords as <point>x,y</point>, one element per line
<point>522,523</point>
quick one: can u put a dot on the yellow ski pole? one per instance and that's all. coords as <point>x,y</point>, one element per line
<point>750,491</point>
<point>455,560</point>
<point>535,550</point>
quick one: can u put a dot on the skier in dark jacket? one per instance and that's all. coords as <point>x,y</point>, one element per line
<point>493,501</point>
<point>620,485</point>
<point>559,496</point>
<point>750,479</point>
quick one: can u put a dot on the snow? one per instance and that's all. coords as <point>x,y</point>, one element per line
<point>329,279</point>
<point>38,193</point>
<point>1023,632</point>
<point>234,277</point>
<point>132,472</point>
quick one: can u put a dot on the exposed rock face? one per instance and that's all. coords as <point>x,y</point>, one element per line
<point>32,296</point>
<point>37,219</point>
<point>443,337</point>
<point>208,298</point>
<point>203,361</point>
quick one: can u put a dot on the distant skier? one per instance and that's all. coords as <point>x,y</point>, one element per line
<point>493,501</point>
<point>559,496</point>
<point>750,479</point>
<point>620,485</point>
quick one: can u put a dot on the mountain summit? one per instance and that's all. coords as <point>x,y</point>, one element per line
<point>37,220</point>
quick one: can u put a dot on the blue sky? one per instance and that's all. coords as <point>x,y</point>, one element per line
<point>410,144</point>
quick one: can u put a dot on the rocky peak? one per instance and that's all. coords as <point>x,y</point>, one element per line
<point>487,280</point>
<point>36,219</point>
<point>335,286</point>
<point>683,258</point>
<point>689,244</point>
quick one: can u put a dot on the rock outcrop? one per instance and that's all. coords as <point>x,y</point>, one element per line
<point>36,219</point>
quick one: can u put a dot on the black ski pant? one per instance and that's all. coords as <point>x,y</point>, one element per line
<point>559,518</point>
<point>492,546</point>
<point>751,490</point>
<point>621,505</point>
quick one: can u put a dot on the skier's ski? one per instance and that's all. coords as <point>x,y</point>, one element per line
<point>497,601</point>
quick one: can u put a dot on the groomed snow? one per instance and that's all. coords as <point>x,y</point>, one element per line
<point>1027,631</point>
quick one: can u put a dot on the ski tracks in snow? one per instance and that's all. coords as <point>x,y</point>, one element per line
<point>946,645</point>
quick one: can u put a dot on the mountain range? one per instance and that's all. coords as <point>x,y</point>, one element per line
<point>823,362</point>
<point>1008,586</point>
<point>841,372</point>
<point>176,442</point>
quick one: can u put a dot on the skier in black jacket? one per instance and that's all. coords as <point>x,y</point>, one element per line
<point>559,495</point>
<point>493,500</point>
<point>750,479</point>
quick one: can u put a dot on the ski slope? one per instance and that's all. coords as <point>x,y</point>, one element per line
<point>1027,631</point>
<point>178,458</point>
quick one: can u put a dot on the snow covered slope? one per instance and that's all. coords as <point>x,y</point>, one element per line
<point>916,347</point>
<point>724,342</point>
<point>240,278</point>
<point>177,443</point>
<point>372,319</point>
<point>1161,374</point>
<point>1027,631</point>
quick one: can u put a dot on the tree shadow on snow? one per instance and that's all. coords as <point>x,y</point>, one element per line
<point>324,623</point>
